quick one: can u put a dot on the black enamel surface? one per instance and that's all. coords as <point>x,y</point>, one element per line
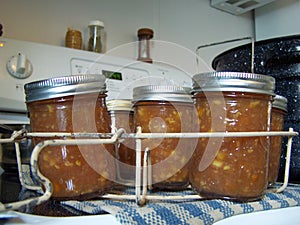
<point>239,59</point>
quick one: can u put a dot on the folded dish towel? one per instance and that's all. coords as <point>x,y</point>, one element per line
<point>204,212</point>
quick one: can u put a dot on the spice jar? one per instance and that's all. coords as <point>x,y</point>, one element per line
<point>233,168</point>
<point>121,113</point>
<point>279,110</point>
<point>73,39</point>
<point>95,40</point>
<point>144,35</point>
<point>165,109</point>
<point>72,104</point>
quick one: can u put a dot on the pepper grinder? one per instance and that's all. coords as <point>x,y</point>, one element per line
<point>144,35</point>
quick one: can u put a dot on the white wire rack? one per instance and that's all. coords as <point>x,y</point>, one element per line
<point>141,183</point>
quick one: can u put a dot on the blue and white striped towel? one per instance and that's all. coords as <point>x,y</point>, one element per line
<point>204,212</point>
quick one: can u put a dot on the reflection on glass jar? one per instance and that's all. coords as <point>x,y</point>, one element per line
<point>279,110</point>
<point>165,109</point>
<point>233,168</point>
<point>76,172</point>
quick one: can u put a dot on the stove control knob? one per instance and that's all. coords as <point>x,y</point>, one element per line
<point>19,66</point>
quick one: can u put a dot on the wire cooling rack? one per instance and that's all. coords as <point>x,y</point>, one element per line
<point>141,194</point>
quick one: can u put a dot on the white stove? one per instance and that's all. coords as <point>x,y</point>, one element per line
<point>22,62</point>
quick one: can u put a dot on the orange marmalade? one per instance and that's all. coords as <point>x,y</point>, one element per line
<point>165,109</point>
<point>233,168</point>
<point>72,104</point>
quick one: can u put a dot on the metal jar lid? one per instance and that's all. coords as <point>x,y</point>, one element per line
<point>64,86</point>
<point>119,105</point>
<point>167,93</point>
<point>280,102</point>
<point>233,81</point>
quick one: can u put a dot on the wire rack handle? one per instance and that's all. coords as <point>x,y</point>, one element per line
<point>225,42</point>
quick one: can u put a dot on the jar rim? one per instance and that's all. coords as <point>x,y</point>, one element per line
<point>233,81</point>
<point>119,105</point>
<point>162,93</point>
<point>64,86</point>
<point>280,102</point>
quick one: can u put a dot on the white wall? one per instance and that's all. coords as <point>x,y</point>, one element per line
<point>280,18</point>
<point>182,24</point>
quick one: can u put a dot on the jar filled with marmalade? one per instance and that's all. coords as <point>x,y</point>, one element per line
<point>121,113</point>
<point>72,104</point>
<point>279,110</point>
<point>165,109</point>
<point>234,168</point>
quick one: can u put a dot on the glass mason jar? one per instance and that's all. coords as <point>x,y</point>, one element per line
<point>165,109</point>
<point>121,113</point>
<point>279,110</point>
<point>72,104</point>
<point>233,168</point>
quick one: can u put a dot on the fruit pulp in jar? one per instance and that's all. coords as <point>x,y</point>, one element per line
<point>277,121</point>
<point>233,168</point>
<point>169,156</point>
<point>75,171</point>
<point>125,150</point>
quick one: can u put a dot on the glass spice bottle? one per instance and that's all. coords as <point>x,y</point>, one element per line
<point>144,35</point>
<point>95,43</point>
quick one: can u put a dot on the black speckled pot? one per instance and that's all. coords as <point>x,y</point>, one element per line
<point>280,58</point>
<point>288,85</point>
<point>266,54</point>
